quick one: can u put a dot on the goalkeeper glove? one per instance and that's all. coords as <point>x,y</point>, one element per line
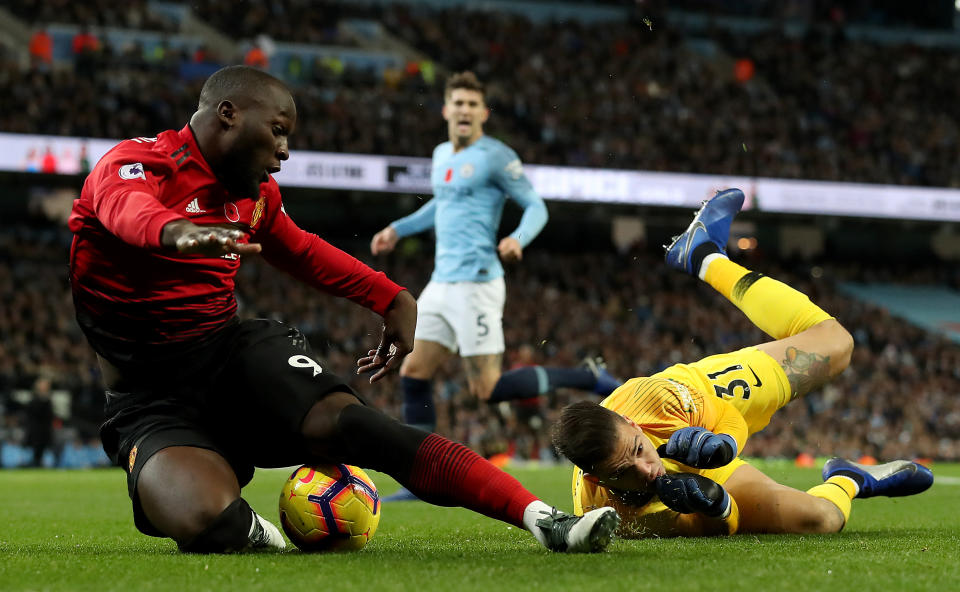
<point>699,447</point>
<point>688,493</point>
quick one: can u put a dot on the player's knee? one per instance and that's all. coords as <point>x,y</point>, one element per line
<point>209,530</point>
<point>481,389</point>
<point>320,423</point>
<point>181,490</point>
<point>482,383</point>
<point>821,518</point>
<point>414,367</point>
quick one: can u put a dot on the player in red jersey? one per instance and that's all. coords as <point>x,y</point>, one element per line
<point>197,398</point>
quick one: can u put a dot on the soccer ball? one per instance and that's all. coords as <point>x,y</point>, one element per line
<point>329,508</point>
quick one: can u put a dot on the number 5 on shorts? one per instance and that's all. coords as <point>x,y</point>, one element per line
<point>484,329</point>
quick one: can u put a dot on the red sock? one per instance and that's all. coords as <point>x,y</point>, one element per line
<point>449,474</point>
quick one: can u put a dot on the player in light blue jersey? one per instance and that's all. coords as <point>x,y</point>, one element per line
<point>461,308</point>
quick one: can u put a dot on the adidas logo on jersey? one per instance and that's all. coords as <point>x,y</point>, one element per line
<point>194,208</point>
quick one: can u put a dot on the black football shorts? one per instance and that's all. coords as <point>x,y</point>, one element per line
<point>242,392</point>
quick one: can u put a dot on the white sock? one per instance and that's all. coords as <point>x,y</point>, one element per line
<point>702,272</point>
<point>533,512</point>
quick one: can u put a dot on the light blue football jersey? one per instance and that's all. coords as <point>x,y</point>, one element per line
<point>469,190</point>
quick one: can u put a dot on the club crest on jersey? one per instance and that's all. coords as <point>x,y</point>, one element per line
<point>448,176</point>
<point>231,211</point>
<point>466,171</point>
<point>134,170</point>
<point>257,211</point>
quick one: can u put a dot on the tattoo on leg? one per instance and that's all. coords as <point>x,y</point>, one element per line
<point>805,371</point>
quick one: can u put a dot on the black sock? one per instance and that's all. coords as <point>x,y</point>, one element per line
<point>230,531</point>
<point>856,477</point>
<point>522,383</point>
<point>373,440</point>
<point>533,381</point>
<point>418,408</point>
<point>702,250</point>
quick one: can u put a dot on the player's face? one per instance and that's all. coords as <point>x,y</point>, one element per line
<point>465,112</point>
<point>634,464</point>
<point>259,144</point>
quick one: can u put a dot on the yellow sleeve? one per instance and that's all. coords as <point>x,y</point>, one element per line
<point>661,406</point>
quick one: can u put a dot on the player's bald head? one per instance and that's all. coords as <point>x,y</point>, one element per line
<point>240,85</point>
<point>241,126</point>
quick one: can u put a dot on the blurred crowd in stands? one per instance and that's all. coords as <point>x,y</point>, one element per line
<point>934,14</point>
<point>639,93</point>
<point>635,94</point>
<point>897,400</point>
<point>290,21</point>
<point>129,14</point>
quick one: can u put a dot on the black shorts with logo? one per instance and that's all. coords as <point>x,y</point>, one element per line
<point>242,392</point>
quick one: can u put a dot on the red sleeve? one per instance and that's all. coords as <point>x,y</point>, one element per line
<point>317,263</point>
<point>123,196</point>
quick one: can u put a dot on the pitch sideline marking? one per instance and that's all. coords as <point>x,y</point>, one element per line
<point>946,480</point>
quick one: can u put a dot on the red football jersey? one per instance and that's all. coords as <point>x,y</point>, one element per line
<point>133,288</point>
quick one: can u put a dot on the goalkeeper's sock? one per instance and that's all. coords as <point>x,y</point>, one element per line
<point>839,491</point>
<point>777,309</point>
<point>533,381</point>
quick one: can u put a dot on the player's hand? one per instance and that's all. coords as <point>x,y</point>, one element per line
<point>688,493</point>
<point>510,249</point>
<point>699,447</point>
<point>399,323</point>
<point>384,241</point>
<point>189,239</point>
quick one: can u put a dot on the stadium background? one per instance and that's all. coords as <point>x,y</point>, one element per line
<point>830,91</point>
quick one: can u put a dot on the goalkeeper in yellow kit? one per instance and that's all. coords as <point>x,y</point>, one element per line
<point>663,449</point>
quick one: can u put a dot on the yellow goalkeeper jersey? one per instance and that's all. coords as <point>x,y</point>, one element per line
<point>734,394</point>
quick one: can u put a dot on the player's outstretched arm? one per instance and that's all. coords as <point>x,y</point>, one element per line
<point>424,218</point>
<point>399,323</point>
<point>189,239</point>
<point>384,241</point>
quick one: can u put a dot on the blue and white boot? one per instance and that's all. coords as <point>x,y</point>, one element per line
<point>710,224</point>
<point>892,479</point>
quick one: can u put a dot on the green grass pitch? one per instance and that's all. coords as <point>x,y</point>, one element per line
<point>64,530</point>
